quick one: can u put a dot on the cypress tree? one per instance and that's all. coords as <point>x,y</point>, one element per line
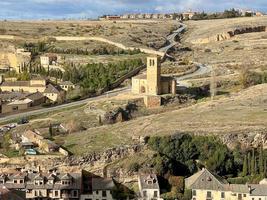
<point>245,166</point>
<point>50,131</point>
<point>249,161</point>
<point>252,167</point>
<point>261,161</point>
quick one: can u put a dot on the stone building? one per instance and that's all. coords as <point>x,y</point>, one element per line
<point>153,84</point>
<point>32,86</point>
<point>148,187</point>
<point>13,59</point>
<point>206,185</point>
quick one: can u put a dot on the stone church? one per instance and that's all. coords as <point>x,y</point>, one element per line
<point>152,85</point>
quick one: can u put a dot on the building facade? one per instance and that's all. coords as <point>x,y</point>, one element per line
<point>98,189</point>
<point>44,186</point>
<point>148,187</point>
<point>153,84</point>
<point>206,185</point>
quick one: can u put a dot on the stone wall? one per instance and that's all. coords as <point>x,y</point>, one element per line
<point>230,34</point>
<point>152,101</point>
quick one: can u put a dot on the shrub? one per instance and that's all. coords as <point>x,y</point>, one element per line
<point>133,167</point>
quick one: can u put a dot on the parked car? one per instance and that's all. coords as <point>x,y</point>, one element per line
<point>13,125</point>
<point>23,120</point>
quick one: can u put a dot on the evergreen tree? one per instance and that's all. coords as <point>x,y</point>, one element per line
<point>252,167</point>
<point>249,161</point>
<point>261,161</point>
<point>50,131</point>
<point>245,166</point>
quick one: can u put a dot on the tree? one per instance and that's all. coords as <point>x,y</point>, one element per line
<point>245,167</point>
<point>252,164</point>
<point>50,131</point>
<point>261,161</point>
<point>249,165</point>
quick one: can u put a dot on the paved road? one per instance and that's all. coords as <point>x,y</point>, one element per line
<point>202,69</point>
<point>171,38</point>
<point>69,105</point>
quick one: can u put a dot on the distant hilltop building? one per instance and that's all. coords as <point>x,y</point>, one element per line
<point>153,84</point>
<point>140,16</point>
<point>188,15</point>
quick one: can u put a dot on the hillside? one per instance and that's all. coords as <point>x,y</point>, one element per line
<point>242,112</point>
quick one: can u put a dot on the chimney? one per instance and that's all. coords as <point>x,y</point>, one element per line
<point>249,189</point>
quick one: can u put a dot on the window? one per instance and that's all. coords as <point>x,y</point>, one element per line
<point>96,192</point>
<point>155,193</point>
<point>194,193</point>
<point>239,197</point>
<point>145,193</point>
<point>56,193</point>
<point>75,193</point>
<point>244,195</point>
<point>208,194</point>
<point>222,195</point>
<point>21,181</point>
<point>15,181</point>
<point>104,193</point>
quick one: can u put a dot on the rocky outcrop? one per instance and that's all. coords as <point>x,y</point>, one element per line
<point>106,157</point>
<point>230,34</point>
<point>245,140</point>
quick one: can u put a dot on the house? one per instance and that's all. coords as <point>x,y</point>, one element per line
<point>54,93</point>
<point>17,105</point>
<point>34,85</point>
<point>48,59</point>
<point>148,187</point>
<point>113,17</point>
<point>153,84</point>
<point>37,139</point>
<point>67,85</point>
<point>206,185</point>
<point>155,16</point>
<point>16,101</point>
<point>259,14</point>
<point>125,16</point>
<point>99,188</point>
<point>188,15</point>
<point>27,145</point>
<point>148,16</point>
<point>140,16</point>
<point>43,186</point>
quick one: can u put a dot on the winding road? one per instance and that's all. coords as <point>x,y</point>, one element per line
<point>181,81</point>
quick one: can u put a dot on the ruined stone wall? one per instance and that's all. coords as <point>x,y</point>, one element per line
<point>230,34</point>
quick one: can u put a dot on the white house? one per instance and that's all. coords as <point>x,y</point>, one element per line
<point>148,187</point>
<point>206,185</point>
